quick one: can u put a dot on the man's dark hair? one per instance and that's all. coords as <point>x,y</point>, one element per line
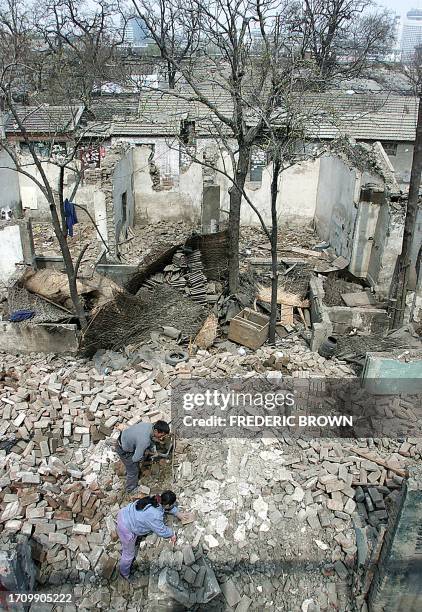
<point>162,426</point>
<point>168,498</point>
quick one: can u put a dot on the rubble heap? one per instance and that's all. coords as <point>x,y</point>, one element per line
<point>276,518</point>
<point>185,273</point>
<point>183,576</point>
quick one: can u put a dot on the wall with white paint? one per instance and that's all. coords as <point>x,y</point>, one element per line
<point>296,200</point>
<point>338,189</point>
<point>9,180</point>
<point>11,251</point>
<point>180,200</point>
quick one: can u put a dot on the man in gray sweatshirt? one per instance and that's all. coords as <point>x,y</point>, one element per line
<point>137,442</point>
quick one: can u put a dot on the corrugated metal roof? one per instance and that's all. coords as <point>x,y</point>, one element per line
<point>45,119</point>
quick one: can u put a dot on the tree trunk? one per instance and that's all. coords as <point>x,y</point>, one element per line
<point>404,261</point>
<point>234,217</point>
<point>171,74</point>
<point>70,270</point>
<point>274,266</point>
<point>61,201</point>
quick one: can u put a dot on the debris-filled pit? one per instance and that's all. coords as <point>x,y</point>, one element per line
<point>280,523</point>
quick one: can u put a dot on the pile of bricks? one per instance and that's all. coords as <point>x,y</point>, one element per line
<point>55,468</point>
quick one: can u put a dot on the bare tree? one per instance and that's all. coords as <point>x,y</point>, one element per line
<point>174,36</point>
<point>18,62</point>
<point>79,48</point>
<point>342,35</point>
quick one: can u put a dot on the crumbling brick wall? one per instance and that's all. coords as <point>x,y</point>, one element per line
<point>105,178</point>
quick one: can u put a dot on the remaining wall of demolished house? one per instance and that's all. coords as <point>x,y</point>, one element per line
<point>161,191</point>
<point>16,247</point>
<point>32,198</point>
<point>10,197</point>
<point>23,194</point>
<point>114,199</point>
<point>294,205</point>
<point>402,162</point>
<point>58,338</point>
<point>168,185</point>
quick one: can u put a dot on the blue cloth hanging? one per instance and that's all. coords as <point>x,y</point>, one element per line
<point>70,216</point>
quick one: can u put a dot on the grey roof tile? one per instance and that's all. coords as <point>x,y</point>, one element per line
<point>45,119</point>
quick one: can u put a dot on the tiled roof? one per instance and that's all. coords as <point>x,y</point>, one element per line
<point>363,116</point>
<point>45,119</point>
<point>369,116</point>
<point>105,108</point>
<point>160,113</point>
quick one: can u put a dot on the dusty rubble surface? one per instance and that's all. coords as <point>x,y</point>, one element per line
<point>285,524</point>
<point>140,240</point>
<point>274,518</point>
<point>253,241</point>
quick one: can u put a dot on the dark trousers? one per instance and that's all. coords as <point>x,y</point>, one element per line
<point>132,468</point>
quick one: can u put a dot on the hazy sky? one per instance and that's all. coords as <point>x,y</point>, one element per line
<point>400,6</point>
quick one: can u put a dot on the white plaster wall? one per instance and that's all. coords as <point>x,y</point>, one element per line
<point>364,232</point>
<point>402,162</point>
<point>298,192</point>
<point>100,214</point>
<point>9,180</point>
<point>182,201</point>
<point>336,194</point>
<point>416,314</point>
<point>11,251</point>
<point>166,153</point>
<point>296,199</point>
<point>390,237</point>
<point>33,199</point>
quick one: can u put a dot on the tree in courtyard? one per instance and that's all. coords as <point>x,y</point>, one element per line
<point>174,36</point>
<point>400,284</point>
<point>24,41</point>
<point>229,73</point>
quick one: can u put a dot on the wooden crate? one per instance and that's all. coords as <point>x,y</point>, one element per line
<point>249,328</point>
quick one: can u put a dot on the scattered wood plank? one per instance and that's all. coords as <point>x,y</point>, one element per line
<point>302,316</point>
<point>290,299</point>
<point>300,251</point>
<point>266,261</point>
<point>286,314</point>
<point>208,332</point>
<point>379,461</point>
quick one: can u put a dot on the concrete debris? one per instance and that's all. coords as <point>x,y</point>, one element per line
<point>184,577</point>
<point>276,523</point>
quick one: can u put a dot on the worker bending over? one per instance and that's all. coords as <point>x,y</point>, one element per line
<point>144,516</point>
<point>135,444</point>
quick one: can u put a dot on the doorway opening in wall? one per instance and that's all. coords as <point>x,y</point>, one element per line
<point>124,208</point>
